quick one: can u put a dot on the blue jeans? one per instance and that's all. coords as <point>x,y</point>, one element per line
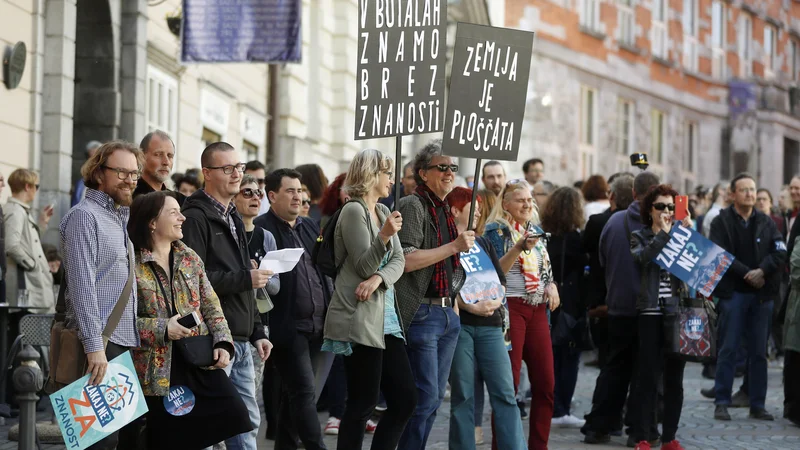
<point>432,338</point>
<point>241,371</point>
<point>483,347</point>
<point>743,314</point>
<point>566,364</point>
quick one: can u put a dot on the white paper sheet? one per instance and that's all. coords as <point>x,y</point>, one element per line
<point>281,261</point>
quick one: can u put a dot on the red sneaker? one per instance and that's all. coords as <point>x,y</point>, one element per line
<point>371,426</point>
<point>644,445</point>
<point>672,445</point>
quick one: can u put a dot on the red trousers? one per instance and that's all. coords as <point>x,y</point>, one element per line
<point>530,341</point>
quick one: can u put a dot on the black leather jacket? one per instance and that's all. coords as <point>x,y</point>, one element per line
<point>645,246</point>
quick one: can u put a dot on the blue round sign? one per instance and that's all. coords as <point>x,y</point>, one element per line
<point>179,401</point>
<point>694,327</point>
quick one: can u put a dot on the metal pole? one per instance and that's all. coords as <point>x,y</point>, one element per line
<point>398,167</point>
<point>28,380</point>
<point>475,182</point>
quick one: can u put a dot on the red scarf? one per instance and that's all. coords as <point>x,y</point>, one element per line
<point>439,271</point>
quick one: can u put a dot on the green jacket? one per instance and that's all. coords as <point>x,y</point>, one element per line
<point>359,252</point>
<point>791,326</point>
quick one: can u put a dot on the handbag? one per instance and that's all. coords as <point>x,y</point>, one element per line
<point>569,330</point>
<point>197,351</point>
<point>690,329</point>
<point>67,357</point>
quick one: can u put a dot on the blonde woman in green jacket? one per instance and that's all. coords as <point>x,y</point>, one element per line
<point>362,321</point>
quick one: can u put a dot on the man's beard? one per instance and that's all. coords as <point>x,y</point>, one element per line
<point>159,177</point>
<point>122,198</point>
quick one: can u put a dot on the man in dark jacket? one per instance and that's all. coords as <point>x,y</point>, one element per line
<point>215,230</point>
<point>2,248</point>
<point>620,269</point>
<point>746,293</point>
<point>159,155</point>
<point>621,197</point>
<point>296,323</point>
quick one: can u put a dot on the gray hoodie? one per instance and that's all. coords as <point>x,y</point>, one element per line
<point>622,273</point>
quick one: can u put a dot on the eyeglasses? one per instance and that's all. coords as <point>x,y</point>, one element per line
<point>306,202</point>
<point>443,167</point>
<point>249,193</point>
<point>661,206</point>
<point>37,186</point>
<point>227,170</point>
<point>123,174</point>
<point>261,181</point>
<point>516,181</point>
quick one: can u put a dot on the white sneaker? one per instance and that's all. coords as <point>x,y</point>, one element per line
<point>569,421</point>
<point>332,427</point>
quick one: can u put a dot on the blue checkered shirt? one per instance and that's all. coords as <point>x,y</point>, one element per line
<point>94,241</point>
<point>225,213</point>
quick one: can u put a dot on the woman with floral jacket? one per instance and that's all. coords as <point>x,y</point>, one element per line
<point>172,283</point>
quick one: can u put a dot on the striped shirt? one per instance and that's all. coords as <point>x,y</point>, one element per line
<point>94,240</point>
<point>664,291</point>
<point>515,282</point>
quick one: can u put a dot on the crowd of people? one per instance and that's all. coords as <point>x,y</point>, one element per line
<point>382,341</point>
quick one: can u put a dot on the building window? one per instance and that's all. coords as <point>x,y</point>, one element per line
<point>590,14</point>
<point>745,39</point>
<point>793,59</point>
<point>250,150</point>
<point>627,22</point>
<point>625,127</point>
<point>659,29</point>
<point>588,116</point>
<point>690,30</point>
<point>718,39</point>
<point>770,35</point>
<point>657,133</point>
<point>209,137</point>
<point>161,103</point>
<point>691,146</point>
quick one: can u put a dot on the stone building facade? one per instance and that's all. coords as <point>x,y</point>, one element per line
<point>610,78</point>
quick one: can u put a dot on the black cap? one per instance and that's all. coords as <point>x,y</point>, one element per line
<point>640,160</point>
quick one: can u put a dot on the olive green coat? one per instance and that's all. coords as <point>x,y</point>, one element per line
<point>791,326</point>
<point>359,253</point>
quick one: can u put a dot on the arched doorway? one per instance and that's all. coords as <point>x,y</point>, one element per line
<point>96,107</point>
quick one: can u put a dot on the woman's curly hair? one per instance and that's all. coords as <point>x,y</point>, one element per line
<point>661,190</point>
<point>563,212</point>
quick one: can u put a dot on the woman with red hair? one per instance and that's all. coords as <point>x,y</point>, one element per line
<point>481,346</point>
<point>333,199</point>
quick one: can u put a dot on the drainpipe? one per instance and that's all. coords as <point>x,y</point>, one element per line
<point>273,115</point>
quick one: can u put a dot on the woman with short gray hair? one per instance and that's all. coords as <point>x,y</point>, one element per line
<point>426,292</point>
<point>362,322</point>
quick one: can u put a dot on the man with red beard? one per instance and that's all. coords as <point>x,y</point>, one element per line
<point>95,245</point>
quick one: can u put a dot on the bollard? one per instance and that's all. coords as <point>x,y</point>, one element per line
<point>28,380</point>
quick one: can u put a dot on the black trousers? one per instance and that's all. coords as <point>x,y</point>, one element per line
<point>371,371</point>
<point>127,436</point>
<point>652,363</point>
<point>791,386</point>
<point>297,414</point>
<point>611,388</point>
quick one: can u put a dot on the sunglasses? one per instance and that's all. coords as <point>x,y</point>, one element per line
<point>249,193</point>
<point>261,181</point>
<point>306,202</point>
<point>443,167</point>
<point>661,206</point>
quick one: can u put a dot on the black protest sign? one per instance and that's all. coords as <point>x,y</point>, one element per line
<point>488,89</point>
<point>400,85</point>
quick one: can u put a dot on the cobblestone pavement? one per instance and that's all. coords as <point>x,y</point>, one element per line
<point>698,429</point>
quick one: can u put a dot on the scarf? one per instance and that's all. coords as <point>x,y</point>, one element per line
<point>439,271</point>
<point>528,261</point>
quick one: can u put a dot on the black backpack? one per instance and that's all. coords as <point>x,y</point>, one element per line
<point>323,254</point>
